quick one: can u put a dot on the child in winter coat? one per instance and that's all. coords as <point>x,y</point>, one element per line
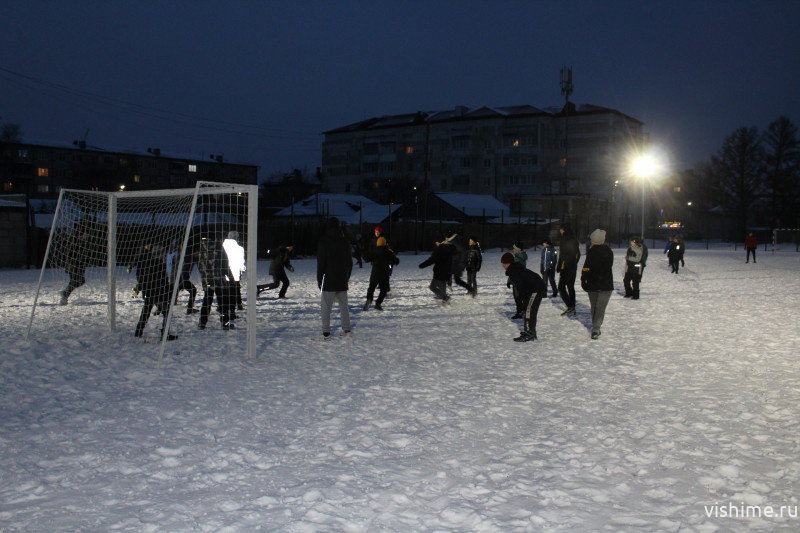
<point>531,289</point>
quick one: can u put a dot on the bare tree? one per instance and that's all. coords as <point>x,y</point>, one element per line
<point>10,133</point>
<point>740,165</point>
<point>781,169</point>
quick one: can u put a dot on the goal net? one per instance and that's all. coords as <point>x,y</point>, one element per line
<point>165,266</point>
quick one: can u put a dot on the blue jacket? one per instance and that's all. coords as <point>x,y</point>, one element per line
<point>549,259</point>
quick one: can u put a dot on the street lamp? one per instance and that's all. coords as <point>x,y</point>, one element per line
<point>644,167</point>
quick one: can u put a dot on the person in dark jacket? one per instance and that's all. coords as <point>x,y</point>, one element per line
<point>597,278</point>
<point>568,255</point>
<point>382,259</point>
<point>548,263</point>
<point>442,260</point>
<point>474,261</point>
<point>280,261</point>
<point>151,276</point>
<point>77,258</point>
<point>334,266</point>
<point>633,269</point>
<point>183,280</point>
<point>459,262</point>
<point>531,289</point>
<point>675,254</point>
<point>751,244</point>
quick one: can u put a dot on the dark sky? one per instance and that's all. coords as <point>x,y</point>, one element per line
<point>259,81</point>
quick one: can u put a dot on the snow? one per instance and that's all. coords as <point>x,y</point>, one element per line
<point>424,419</point>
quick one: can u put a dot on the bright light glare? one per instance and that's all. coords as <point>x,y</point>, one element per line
<point>644,166</point>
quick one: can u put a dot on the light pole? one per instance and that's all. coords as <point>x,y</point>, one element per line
<point>644,167</point>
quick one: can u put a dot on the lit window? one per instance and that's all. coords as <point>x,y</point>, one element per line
<point>136,178</point>
<point>43,172</point>
<point>42,188</point>
<point>409,150</point>
<point>8,186</point>
<point>515,143</point>
<point>192,168</point>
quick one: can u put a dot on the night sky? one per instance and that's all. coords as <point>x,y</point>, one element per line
<point>259,81</point>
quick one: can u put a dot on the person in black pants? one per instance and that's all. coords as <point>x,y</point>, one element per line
<point>280,261</point>
<point>530,288</point>
<point>568,255</point>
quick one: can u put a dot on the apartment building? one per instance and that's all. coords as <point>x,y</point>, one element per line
<point>532,159</point>
<point>42,170</point>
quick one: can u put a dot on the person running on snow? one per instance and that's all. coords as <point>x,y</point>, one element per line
<point>531,289</point>
<point>459,262</point>
<point>77,258</point>
<point>280,261</point>
<point>442,260</point>
<point>382,259</point>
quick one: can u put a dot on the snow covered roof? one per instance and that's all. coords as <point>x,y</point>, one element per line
<point>475,204</point>
<point>349,208</point>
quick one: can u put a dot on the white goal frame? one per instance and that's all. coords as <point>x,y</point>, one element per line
<point>202,188</point>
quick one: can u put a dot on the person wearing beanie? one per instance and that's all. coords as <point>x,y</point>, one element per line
<point>442,260</point>
<point>547,266</point>
<point>474,261</point>
<point>531,289</point>
<point>280,261</point>
<point>382,258</point>
<point>597,278</point>
<point>334,266</point>
<point>568,255</point>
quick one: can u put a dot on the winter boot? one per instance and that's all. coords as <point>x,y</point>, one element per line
<point>367,303</point>
<point>525,336</point>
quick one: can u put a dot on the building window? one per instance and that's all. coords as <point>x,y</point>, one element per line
<point>409,150</point>
<point>137,178</point>
<point>43,172</point>
<point>42,188</point>
<point>346,187</point>
<point>8,186</point>
<point>192,168</point>
<point>461,142</point>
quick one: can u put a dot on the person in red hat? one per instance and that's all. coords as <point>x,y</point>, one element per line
<point>530,288</point>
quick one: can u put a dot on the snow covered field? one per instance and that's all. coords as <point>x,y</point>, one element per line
<point>686,411</point>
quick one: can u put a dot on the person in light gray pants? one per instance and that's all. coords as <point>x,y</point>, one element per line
<point>597,278</point>
<point>334,266</point>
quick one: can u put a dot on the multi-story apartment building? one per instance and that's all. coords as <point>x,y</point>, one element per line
<point>531,159</point>
<point>42,170</point>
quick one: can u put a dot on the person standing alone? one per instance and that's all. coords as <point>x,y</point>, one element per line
<point>750,244</point>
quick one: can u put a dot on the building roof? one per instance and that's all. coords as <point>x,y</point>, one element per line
<point>348,208</point>
<point>475,205</point>
<point>465,113</point>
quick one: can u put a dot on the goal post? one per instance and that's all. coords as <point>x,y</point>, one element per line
<point>103,244</point>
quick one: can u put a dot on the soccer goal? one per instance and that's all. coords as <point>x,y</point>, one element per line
<point>161,266</point>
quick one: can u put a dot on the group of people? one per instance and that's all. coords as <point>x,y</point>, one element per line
<point>221,265</point>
